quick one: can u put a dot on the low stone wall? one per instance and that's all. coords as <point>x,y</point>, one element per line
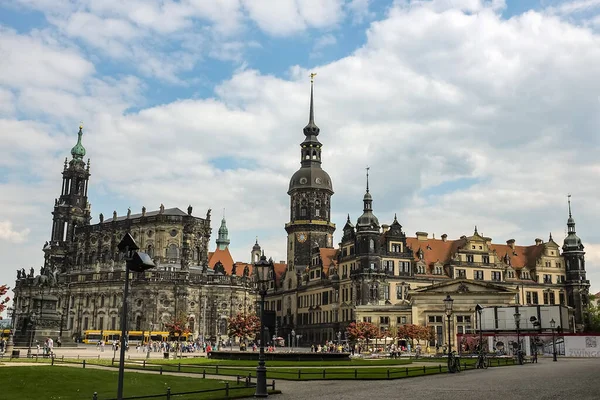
<point>278,356</point>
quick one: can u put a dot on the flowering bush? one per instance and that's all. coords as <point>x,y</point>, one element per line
<point>3,301</point>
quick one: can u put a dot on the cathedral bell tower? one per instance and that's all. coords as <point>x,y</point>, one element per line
<point>310,194</point>
<point>71,209</point>
<point>577,286</point>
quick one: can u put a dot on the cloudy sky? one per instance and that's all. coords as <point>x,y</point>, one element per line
<point>469,112</point>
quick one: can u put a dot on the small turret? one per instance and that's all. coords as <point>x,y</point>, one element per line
<point>78,151</point>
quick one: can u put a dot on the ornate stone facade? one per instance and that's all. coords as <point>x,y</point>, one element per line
<point>80,286</point>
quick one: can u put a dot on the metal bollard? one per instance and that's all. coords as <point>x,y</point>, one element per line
<point>226,390</point>
<point>95,396</point>
<point>424,369</point>
<point>355,373</point>
<point>237,380</point>
<point>324,374</point>
<point>204,373</point>
<point>168,393</point>
<point>52,360</point>
<point>388,373</point>
<point>179,367</point>
<point>273,384</point>
<point>144,366</point>
<point>161,370</point>
<point>83,363</point>
<point>299,374</point>
<point>406,371</point>
<point>440,367</point>
<point>217,369</point>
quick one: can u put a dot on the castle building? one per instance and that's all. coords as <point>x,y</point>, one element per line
<point>380,275</point>
<point>80,286</point>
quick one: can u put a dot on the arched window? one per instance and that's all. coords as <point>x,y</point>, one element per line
<point>314,154</point>
<point>371,245</point>
<point>172,251</point>
<point>102,301</point>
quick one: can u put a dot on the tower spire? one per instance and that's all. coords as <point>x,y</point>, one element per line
<point>569,200</point>
<point>368,168</point>
<point>311,129</point>
<point>78,151</point>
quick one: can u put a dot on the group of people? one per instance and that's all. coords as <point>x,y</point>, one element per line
<point>330,347</point>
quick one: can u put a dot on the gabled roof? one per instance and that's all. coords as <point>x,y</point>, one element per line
<point>224,256</point>
<point>463,286</point>
<point>168,211</point>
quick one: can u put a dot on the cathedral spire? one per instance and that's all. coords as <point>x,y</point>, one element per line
<point>368,199</point>
<point>78,151</point>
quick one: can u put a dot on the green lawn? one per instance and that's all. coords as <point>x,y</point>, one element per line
<point>65,383</point>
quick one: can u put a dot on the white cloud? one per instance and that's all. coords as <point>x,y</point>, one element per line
<point>6,102</point>
<point>435,97</point>
<point>286,17</point>
<point>360,10</point>
<point>28,60</point>
<point>9,234</point>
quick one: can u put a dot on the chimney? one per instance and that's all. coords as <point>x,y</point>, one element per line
<point>444,237</point>
<point>538,241</point>
<point>511,243</point>
<point>422,236</point>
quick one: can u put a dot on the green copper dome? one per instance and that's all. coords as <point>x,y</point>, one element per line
<point>78,151</point>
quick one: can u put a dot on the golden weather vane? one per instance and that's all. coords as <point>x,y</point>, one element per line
<point>80,124</point>
<point>312,76</point>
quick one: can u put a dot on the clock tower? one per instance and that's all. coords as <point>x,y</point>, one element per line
<point>310,194</point>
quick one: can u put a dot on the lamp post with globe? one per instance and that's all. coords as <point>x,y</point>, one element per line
<point>263,268</point>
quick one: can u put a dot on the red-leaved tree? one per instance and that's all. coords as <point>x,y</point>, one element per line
<point>418,332</point>
<point>243,326</point>
<point>177,325</point>
<point>363,331</point>
<point>3,300</point>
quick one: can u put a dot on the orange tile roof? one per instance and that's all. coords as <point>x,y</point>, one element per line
<point>520,256</point>
<point>434,250</point>
<point>280,269</point>
<point>239,268</point>
<point>328,257</point>
<point>225,257</point>
<point>438,250</point>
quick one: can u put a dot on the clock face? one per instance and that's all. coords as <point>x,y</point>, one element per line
<point>301,237</point>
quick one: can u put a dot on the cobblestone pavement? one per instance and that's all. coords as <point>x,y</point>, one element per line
<point>577,379</point>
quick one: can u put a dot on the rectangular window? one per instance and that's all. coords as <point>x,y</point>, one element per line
<point>478,275</point>
<point>547,278</point>
<point>366,319</point>
<point>386,292</point>
<point>486,259</point>
<point>317,212</point>
<point>469,258</point>
<point>384,320</point>
<point>535,298</point>
<point>561,298</point>
<point>101,323</point>
<point>496,276</point>
<point>461,273</point>
<point>278,305</point>
<point>546,297</point>
<point>86,322</point>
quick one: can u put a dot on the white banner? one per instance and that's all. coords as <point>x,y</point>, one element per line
<point>582,346</point>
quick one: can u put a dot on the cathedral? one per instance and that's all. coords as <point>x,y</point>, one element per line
<point>379,274</point>
<point>80,286</point>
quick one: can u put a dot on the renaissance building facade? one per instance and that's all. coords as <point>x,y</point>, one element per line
<point>80,285</point>
<point>379,274</point>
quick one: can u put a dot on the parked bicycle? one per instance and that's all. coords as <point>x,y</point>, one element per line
<point>482,360</point>
<point>453,362</point>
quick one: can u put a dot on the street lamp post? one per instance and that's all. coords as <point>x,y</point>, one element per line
<point>517,316</point>
<point>138,262</point>
<point>552,326</point>
<point>448,302</point>
<point>263,267</point>
<point>479,310</point>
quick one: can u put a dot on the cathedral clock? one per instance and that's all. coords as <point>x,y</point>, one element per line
<point>301,236</point>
